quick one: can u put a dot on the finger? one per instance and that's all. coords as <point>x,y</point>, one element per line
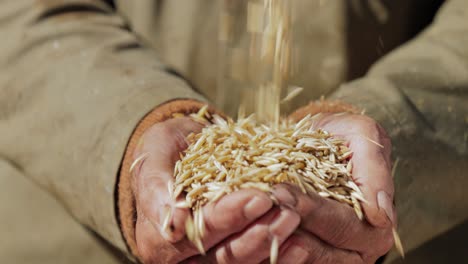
<point>333,222</point>
<point>372,173</point>
<point>156,203</point>
<point>160,149</point>
<point>154,187</point>
<point>230,215</point>
<point>152,180</point>
<point>233,213</point>
<point>165,141</point>
<point>152,247</point>
<point>302,247</point>
<point>254,243</point>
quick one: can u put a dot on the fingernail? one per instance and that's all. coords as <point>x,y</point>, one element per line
<point>284,223</point>
<point>284,197</point>
<point>296,253</point>
<point>386,204</point>
<point>256,207</point>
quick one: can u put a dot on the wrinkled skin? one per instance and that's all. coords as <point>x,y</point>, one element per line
<point>241,225</point>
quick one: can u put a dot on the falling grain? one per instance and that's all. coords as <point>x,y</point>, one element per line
<point>292,94</point>
<point>398,244</point>
<point>274,249</point>
<point>262,150</point>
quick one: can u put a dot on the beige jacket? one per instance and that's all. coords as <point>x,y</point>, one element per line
<point>76,76</point>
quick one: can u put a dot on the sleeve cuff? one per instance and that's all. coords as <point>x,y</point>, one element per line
<point>324,106</point>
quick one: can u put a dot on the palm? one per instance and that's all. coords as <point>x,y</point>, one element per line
<point>371,158</point>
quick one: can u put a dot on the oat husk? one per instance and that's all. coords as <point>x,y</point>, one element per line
<point>228,156</point>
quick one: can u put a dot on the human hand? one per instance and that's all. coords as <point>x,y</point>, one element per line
<point>239,227</point>
<point>330,231</point>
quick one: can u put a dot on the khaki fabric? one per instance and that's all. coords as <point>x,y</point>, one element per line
<point>74,83</point>
<point>76,76</point>
<point>36,229</point>
<point>419,94</point>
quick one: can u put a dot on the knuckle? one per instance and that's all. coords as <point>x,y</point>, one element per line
<point>341,235</point>
<point>310,206</point>
<point>235,222</point>
<point>320,256</point>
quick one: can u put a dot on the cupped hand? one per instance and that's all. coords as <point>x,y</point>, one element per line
<point>331,232</point>
<point>239,227</point>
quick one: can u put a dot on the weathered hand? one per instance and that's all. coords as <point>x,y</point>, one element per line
<point>161,146</point>
<point>330,231</point>
<point>253,244</point>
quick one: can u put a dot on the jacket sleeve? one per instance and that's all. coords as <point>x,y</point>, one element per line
<point>419,93</point>
<point>74,82</point>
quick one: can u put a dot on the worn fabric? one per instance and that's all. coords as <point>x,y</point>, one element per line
<point>419,94</point>
<point>77,76</point>
<point>74,83</point>
<point>36,229</point>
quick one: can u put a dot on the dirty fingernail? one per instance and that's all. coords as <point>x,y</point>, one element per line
<point>257,206</point>
<point>386,204</point>
<point>285,223</point>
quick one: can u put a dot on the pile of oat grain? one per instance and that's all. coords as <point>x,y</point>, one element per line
<point>227,156</point>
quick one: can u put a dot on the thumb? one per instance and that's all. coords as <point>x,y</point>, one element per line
<point>371,149</point>
<point>160,147</point>
<point>371,172</point>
